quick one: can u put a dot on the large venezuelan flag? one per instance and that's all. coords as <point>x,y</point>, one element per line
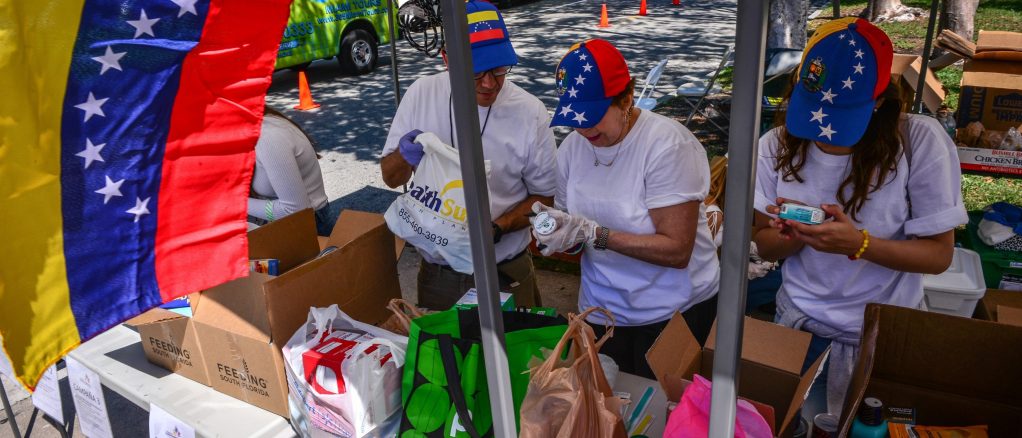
<point>127,130</point>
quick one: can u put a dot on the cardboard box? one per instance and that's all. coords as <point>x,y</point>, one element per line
<point>991,160</point>
<point>169,341</point>
<point>905,70</point>
<point>242,325</point>
<point>954,371</point>
<point>995,299</point>
<point>772,357</point>
<point>992,83</point>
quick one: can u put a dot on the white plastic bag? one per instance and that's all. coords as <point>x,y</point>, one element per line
<point>370,403</point>
<point>431,216</point>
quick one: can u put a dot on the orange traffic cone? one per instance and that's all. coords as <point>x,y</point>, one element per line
<point>676,2</point>
<point>305,101</point>
<point>642,8</point>
<point>604,21</point>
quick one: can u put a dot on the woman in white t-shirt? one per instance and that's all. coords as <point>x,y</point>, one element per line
<point>888,182</point>
<point>287,176</point>
<point>630,188</point>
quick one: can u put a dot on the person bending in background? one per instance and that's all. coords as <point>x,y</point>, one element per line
<point>287,176</point>
<point>889,182</point>
<point>630,187</point>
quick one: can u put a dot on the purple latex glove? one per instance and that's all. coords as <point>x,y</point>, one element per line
<point>410,150</point>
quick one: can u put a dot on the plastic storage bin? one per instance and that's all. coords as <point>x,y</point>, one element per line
<point>996,264</point>
<point>957,290</point>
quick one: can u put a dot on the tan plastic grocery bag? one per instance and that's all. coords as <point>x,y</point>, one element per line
<point>572,398</point>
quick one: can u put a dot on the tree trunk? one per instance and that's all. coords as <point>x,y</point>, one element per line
<point>959,17</point>
<point>878,11</point>
<point>787,25</point>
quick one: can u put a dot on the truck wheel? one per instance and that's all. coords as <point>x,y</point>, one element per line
<point>358,52</point>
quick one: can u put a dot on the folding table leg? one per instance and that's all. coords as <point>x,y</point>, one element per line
<point>9,410</point>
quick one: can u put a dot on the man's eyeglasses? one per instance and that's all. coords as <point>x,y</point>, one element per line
<point>496,72</point>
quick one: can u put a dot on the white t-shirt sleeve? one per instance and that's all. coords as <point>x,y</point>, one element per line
<point>935,181</point>
<point>766,175</point>
<point>275,155</point>
<point>540,172</point>
<point>404,117</point>
<point>676,175</point>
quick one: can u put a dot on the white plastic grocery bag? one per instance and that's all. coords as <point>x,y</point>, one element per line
<point>431,215</point>
<point>359,396</point>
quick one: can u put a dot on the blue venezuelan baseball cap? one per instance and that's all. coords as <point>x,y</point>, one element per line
<point>846,67</point>
<point>491,44</point>
<point>588,77</point>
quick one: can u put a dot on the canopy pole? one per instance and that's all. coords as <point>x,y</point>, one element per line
<point>477,201</point>
<point>750,46</point>
<point>393,53</point>
<point>917,105</point>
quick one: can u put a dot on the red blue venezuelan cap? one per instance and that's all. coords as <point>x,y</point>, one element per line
<point>588,77</point>
<point>845,68</point>
<point>491,44</point>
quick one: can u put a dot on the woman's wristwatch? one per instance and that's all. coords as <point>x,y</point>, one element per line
<point>602,234</point>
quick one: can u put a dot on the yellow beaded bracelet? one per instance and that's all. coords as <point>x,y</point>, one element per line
<point>865,244</point>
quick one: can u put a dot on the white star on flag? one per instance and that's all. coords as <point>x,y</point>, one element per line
<point>92,106</point>
<point>828,96</point>
<point>110,190</point>
<point>851,41</point>
<point>109,60</point>
<point>858,68</point>
<point>580,80</point>
<point>588,67</point>
<point>572,92</point>
<point>144,25</point>
<point>565,110</point>
<point>826,131</point>
<point>91,152</point>
<point>818,115</point>
<point>140,208</point>
<point>847,83</point>
<point>841,36</point>
<point>580,118</point>
<point>582,57</point>
<point>859,53</point>
<point>187,6</point>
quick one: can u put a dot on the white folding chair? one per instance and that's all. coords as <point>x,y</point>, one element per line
<point>700,87</point>
<point>645,101</point>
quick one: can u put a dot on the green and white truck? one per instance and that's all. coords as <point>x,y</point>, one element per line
<point>351,30</point>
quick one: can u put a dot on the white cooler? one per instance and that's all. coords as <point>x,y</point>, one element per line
<point>957,290</point>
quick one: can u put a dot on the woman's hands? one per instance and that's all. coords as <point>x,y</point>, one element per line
<point>570,231</point>
<point>836,236</point>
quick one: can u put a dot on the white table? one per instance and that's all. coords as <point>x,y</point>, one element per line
<point>657,405</point>
<point>117,357</point>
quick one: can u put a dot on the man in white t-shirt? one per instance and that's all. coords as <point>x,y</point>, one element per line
<point>517,140</point>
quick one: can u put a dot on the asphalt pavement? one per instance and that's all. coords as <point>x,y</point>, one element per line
<point>351,124</point>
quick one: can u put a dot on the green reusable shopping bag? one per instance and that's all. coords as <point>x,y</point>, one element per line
<point>444,379</point>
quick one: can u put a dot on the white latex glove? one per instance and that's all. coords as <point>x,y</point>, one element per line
<point>570,231</point>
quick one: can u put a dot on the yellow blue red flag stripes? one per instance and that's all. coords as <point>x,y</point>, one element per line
<point>127,131</point>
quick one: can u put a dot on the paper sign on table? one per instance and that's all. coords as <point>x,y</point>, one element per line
<point>164,425</point>
<point>47,395</point>
<point>87,392</point>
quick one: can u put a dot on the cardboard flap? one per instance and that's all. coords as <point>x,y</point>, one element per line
<point>1009,315</point>
<point>908,68</point>
<point>360,277</point>
<point>993,74</point>
<point>290,239</point>
<point>993,299</point>
<point>674,356</point>
<point>351,224</point>
<point>156,314</point>
<point>998,41</point>
<point>770,344</point>
<point>237,306</point>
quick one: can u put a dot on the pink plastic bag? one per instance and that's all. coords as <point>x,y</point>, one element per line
<point>692,416</point>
